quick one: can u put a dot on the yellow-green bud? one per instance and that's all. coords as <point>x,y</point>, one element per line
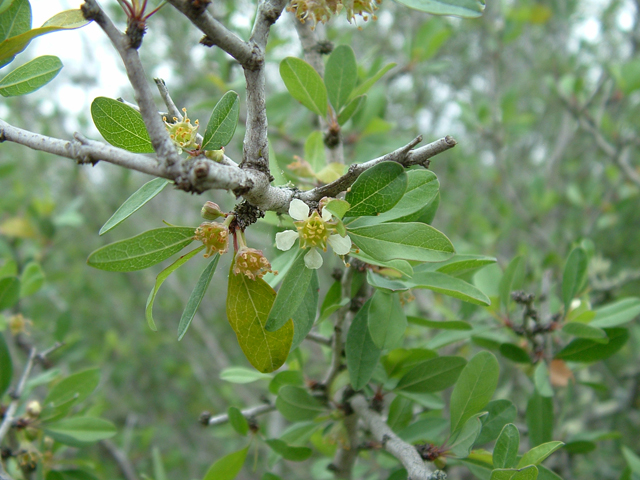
<point>211,211</point>
<point>215,155</point>
<point>33,409</point>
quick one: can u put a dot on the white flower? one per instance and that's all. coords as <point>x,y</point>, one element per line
<point>314,231</point>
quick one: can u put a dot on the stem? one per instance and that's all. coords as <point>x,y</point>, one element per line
<point>17,393</point>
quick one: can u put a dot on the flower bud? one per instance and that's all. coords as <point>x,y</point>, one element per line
<point>33,409</point>
<point>251,262</point>
<point>215,236</point>
<point>215,155</point>
<point>211,211</point>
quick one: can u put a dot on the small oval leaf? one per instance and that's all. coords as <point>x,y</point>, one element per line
<point>304,84</point>
<point>223,122</point>
<point>121,125</point>
<point>31,76</point>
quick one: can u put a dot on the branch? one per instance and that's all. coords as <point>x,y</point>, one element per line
<point>317,338</point>
<point>216,33</point>
<point>337,344</point>
<point>256,144</point>
<point>405,156</point>
<point>406,453</point>
<point>121,460</point>
<point>13,406</point>
<point>162,144</point>
<point>246,413</point>
<point>345,458</point>
<point>172,109</point>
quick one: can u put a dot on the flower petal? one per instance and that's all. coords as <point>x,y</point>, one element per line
<point>286,239</point>
<point>298,210</point>
<point>326,215</point>
<point>340,245</point>
<point>313,259</point>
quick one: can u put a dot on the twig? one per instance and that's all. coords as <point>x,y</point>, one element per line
<point>337,343</point>
<point>13,406</point>
<point>162,144</point>
<point>317,338</point>
<point>345,458</point>
<point>216,33</point>
<point>121,460</point>
<point>172,109</point>
<point>405,156</point>
<point>406,453</point>
<point>247,413</point>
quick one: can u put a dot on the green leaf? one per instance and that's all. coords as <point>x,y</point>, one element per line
<point>617,313</point>
<point>228,467</point>
<point>6,372</point>
<point>379,281</point>
<point>377,189</point>
<point>409,241</point>
<point>9,292</point>
<point>537,454</point>
<point>141,251</point>
<point>31,280</point>
<point>15,18</point>
<point>462,442</point>
<point>387,321</point>
<point>448,285</point>
<point>474,388</point>
<point>237,421</point>
<point>400,413</point>
<point>289,298</point>
<point>367,84</point>
<point>31,76</point>
<point>588,351</point>
<point>541,380</point>
<point>136,201</point>
<point>399,361</point>
<point>121,125</point>
<point>304,84</point>
<point>159,472</point>
<point>540,419</point>
<point>442,325</point>
<point>305,315</point>
<point>296,405</point>
<point>422,187</point>
<point>527,473</point>
<point>514,353</point>
<point>80,431</point>
<point>4,5</point>
<point>458,265</point>
<point>574,276</point>
<point>458,8</point>
<point>67,20</point>
<point>295,454</point>
<point>511,280</point>
<point>162,276</point>
<point>75,387</point>
<point>196,296</point>
<point>632,459</point>
<point>433,375</point>
<point>340,75</point>
<point>314,151</point>
<point>583,330</point>
<point>505,452</point>
<point>242,375</point>
<point>248,305</point>
<point>222,123</point>
<point>287,377</point>
<point>9,268</point>
<point>500,412</point>
<point>351,109</point>
<point>362,354</point>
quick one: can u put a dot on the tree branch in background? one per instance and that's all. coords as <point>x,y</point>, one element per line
<point>123,462</point>
<point>406,453</point>
<point>247,413</point>
<point>16,394</point>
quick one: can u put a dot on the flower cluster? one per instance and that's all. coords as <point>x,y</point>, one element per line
<point>314,232</point>
<point>251,262</point>
<point>322,10</point>
<point>215,236</point>
<point>183,132</point>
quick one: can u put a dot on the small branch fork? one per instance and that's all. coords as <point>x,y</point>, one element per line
<point>406,453</point>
